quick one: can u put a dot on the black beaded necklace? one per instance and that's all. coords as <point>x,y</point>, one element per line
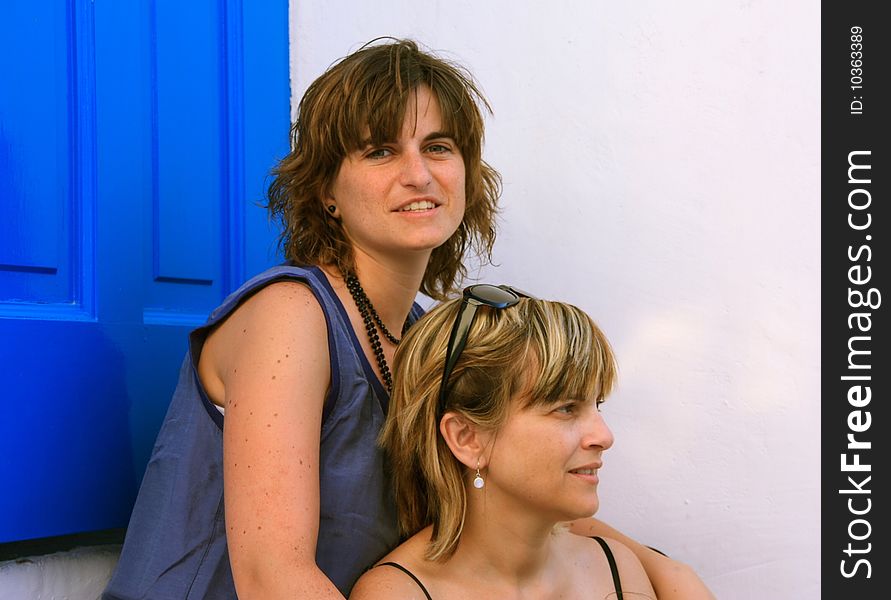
<point>373,322</point>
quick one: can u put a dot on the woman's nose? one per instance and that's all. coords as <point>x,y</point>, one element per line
<point>415,171</point>
<point>597,432</point>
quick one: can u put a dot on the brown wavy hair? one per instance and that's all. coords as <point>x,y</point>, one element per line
<point>366,93</point>
<point>537,352</point>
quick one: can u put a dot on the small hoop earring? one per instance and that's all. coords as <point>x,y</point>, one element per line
<point>331,208</point>
<point>478,481</point>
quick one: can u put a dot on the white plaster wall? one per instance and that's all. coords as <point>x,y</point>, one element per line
<point>661,169</point>
<point>80,574</point>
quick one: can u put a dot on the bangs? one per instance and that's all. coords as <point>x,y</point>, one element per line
<point>539,352</point>
<point>569,358</point>
<point>377,96</point>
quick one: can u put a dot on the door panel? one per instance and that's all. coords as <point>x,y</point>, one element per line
<point>128,210</point>
<point>45,185</point>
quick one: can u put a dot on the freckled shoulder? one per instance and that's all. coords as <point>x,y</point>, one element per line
<point>283,302</point>
<point>279,316</point>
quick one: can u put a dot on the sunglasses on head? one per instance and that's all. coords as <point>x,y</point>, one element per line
<point>481,294</point>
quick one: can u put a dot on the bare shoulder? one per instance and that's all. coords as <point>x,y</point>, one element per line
<point>280,305</point>
<point>631,572</point>
<point>384,581</point>
<point>283,318</point>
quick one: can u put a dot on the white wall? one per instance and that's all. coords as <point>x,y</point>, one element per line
<point>661,168</point>
<point>80,574</point>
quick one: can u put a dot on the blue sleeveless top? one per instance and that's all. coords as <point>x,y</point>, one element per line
<point>176,540</point>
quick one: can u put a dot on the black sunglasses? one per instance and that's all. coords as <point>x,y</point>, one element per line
<point>494,296</point>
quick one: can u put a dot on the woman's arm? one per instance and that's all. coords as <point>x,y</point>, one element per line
<point>270,359</point>
<point>671,579</point>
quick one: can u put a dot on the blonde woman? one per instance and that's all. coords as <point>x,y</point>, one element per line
<point>496,439</point>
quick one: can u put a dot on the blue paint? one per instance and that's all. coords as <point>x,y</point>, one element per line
<point>135,143</point>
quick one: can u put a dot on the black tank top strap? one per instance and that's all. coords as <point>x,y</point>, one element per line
<point>410,574</point>
<point>612,566</point>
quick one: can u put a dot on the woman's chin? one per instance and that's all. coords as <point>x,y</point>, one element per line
<point>584,510</point>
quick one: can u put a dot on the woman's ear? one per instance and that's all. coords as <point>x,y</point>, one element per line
<point>330,204</point>
<point>326,197</point>
<point>466,440</point>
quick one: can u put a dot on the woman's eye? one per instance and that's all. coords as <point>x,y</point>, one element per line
<point>379,153</point>
<point>438,148</point>
<point>566,409</point>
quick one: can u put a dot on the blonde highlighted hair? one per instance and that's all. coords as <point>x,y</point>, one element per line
<point>537,352</point>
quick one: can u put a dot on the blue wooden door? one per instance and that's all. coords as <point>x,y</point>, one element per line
<point>135,143</point>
